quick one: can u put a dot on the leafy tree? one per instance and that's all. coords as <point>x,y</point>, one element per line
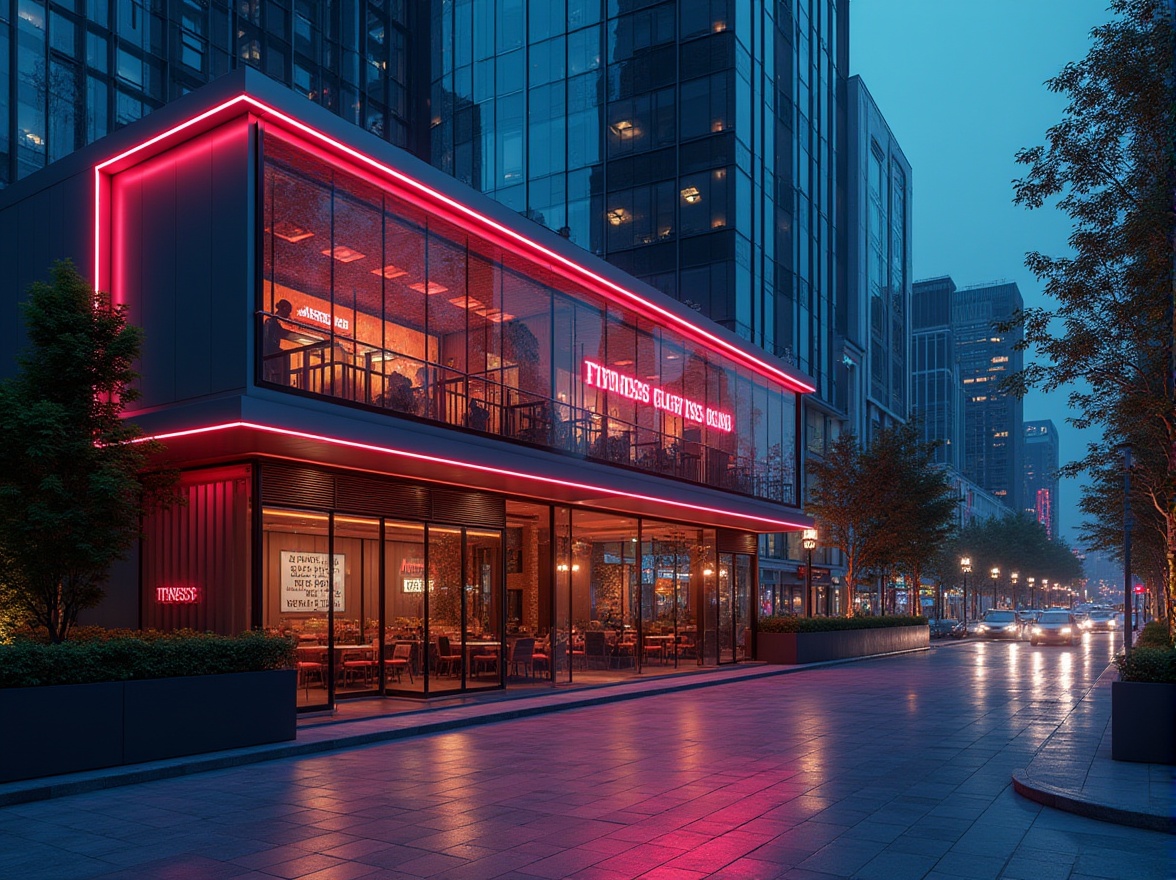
<point>1109,163</point>
<point>920,503</point>
<point>886,507</point>
<point>71,483</point>
<point>838,500</point>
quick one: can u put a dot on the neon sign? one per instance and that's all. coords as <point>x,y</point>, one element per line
<point>177,595</point>
<point>630,387</point>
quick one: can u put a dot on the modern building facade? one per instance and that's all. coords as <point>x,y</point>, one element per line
<point>439,445</point>
<point>937,393</point>
<point>1040,492</point>
<point>877,337</point>
<point>698,146</point>
<point>993,421</point>
<point>72,72</point>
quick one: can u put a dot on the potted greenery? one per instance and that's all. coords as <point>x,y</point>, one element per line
<point>790,640</point>
<point>1143,700</point>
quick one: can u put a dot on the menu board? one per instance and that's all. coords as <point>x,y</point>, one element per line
<point>304,581</point>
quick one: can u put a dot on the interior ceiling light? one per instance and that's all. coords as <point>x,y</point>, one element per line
<point>390,272</point>
<point>431,288</point>
<point>691,194</point>
<point>624,363</point>
<point>290,232</point>
<point>622,127</point>
<point>617,217</point>
<point>496,316</point>
<point>344,254</point>
<point>467,302</point>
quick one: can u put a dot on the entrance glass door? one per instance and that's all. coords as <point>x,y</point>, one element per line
<point>484,624</point>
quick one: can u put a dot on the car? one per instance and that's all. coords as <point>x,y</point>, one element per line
<point>1102,621</point>
<point>998,625</point>
<point>942,628</point>
<point>1054,627</point>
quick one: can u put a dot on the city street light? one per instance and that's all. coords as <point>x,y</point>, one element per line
<point>1128,522</point>
<point>809,542</point>
<point>966,568</point>
<point>1032,595</point>
<point>1013,577</point>
<point>1045,592</point>
<point>995,573</point>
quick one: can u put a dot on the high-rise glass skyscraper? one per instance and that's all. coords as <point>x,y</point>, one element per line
<point>1040,493</point>
<point>937,401</point>
<point>72,71</point>
<point>697,145</point>
<point>993,420</point>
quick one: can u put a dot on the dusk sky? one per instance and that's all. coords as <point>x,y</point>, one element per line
<point>962,87</point>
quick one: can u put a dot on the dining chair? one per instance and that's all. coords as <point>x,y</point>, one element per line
<point>522,658</point>
<point>447,661</point>
<point>400,661</point>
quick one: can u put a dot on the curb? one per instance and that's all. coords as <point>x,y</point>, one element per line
<point>28,791</point>
<point>1060,799</point>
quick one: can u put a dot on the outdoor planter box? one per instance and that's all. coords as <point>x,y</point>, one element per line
<point>45,731</point>
<point>841,644</point>
<point>1143,722</point>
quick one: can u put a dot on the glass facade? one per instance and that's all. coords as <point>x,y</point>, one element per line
<point>390,605</point>
<point>369,300</point>
<point>83,70</point>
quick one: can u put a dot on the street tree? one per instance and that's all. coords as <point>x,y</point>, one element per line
<point>1108,337</point>
<point>919,503</point>
<point>72,487</point>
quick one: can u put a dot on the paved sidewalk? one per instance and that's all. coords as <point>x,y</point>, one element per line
<point>366,722</point>
<point>1073,771</point>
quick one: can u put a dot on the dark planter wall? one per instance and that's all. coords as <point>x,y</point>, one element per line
<point>88,726</point>
<point>839,645</point>
<point>1143,722</point>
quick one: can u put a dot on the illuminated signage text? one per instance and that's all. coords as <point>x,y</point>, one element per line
<point>630,387</point>
<point>177,595</point>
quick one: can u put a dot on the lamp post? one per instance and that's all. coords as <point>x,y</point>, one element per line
<point>809,542</point>
<point>994,573</point>
<point>966,568</point>
<point>1013,577</point>
<point>1032,595</point>
<point>1045,592</point>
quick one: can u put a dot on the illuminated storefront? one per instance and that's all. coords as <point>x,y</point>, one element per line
<point>442,449</point>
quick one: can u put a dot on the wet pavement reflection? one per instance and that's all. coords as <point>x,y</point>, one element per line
<point>891,768</point>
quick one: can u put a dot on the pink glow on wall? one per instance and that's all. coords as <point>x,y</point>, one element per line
<point>767,523</point>
<point>434,200</point>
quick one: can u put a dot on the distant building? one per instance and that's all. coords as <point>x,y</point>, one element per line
<point>993,420</point>
<point>936,392</point>
<point>877,337</point>
<point>1039,494</point>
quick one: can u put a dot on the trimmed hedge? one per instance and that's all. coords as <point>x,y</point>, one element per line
<point>126,655</point>
<point>792,624</point>
<point>1156,665</point>
<point>1154,635</point>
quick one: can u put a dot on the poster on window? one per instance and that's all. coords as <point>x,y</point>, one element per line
<point>304,581</point>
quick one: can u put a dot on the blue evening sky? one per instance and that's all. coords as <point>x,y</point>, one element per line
<point>961,85</point>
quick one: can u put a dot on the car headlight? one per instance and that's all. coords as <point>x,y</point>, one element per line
<point>1036,630</point>
<point>981,628</point>
<point>1065,630</point>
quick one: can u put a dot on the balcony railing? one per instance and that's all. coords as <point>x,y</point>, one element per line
<point>343,369</point>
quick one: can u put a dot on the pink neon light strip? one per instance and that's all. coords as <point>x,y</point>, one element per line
<point>775,524</point>
<point>691,330</point>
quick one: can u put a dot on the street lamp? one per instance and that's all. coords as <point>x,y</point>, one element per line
<point>1032,595</point>
<point>1013,577</point>
<point>966,568</point>
<point>1128,522</point>
<point>809,541</point>
<point>1045,592</point>
<point>994,573</point>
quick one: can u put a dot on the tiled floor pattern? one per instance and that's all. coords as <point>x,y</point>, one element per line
<point>882,770</point>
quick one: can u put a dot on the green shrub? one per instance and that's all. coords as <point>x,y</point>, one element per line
<point>1148,664</point>
<point>791,624</point>
<point>124,655</point>
<point>1154,635</point>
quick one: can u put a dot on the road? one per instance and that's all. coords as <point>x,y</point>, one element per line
<point>893,768</point>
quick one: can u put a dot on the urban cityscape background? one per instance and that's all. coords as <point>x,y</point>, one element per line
<point>719,150</point>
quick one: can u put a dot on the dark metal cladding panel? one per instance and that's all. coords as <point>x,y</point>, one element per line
<point>382,497</point>
<point>731,541</point>
<point>468,508</point>
<point>297,486</point>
